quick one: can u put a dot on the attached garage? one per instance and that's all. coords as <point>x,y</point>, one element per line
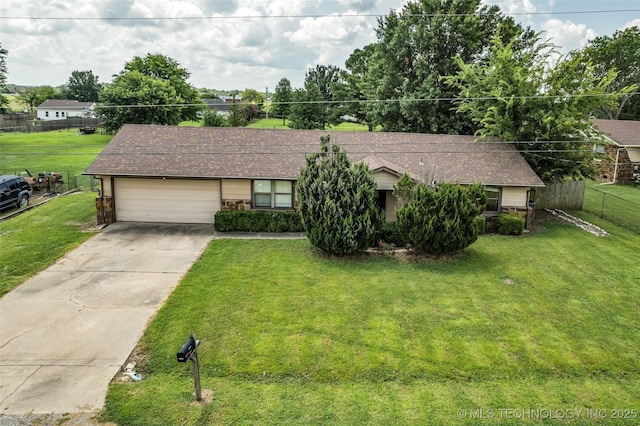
<point>166,200</point>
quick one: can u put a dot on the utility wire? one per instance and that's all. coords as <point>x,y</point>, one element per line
<point>350,15</point>
<point>369,101</point>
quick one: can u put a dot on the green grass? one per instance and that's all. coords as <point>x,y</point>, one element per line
<point>292,337</point>
<point>619,204</point>
<point>14,104</point>
<point>61,151</point>
<point>35,239</point>
<point>191,123</point>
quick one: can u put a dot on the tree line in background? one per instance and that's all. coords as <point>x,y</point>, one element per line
<point>438,66</point>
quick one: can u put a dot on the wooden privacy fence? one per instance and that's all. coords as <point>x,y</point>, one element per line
<point>565,195</point>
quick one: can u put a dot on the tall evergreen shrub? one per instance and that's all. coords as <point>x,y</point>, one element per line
<point>441,220</point>
<point>337,201</point>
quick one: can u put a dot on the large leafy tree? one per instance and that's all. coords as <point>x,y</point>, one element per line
<point>517,97</point>
<point>355,89</point>
<point>82,86</point>
<point>4,102</point>
<point>253,96</point>
<point>442,220</point>
<point>307,109</point>
<point>328,80</point>
<point>416,47</point>
<point>620,53</point>
<point>337,201</point>
<point>282,98</point>
<point>34,96</point>
<point>149,90</point>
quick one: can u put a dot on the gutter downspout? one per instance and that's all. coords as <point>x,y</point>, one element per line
<point>615,169</point>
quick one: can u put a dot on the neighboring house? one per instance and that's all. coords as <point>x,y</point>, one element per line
<point>185,174</point>
<point>59,109</point>
<point>218,105</point>
<point>623,152</point>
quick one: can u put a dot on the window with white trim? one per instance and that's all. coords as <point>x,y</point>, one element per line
<point>493,198</point>
<point>57,113</point>
<point>46,113</point>
<point>272,194</point>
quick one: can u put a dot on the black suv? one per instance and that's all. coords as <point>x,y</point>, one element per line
<point>14,191</point>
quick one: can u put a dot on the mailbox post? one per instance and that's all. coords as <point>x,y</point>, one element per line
<point>189,351</point>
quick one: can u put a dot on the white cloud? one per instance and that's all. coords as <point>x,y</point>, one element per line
<point>632,23</point>
<point>221,48</point>
<point>567,35</point>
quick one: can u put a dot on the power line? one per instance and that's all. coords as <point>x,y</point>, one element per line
<point>315,16</point>
<point>365,101</point>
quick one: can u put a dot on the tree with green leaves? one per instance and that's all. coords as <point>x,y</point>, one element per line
<point>253,96</point>
<point>307,109</point>
<point>149,90</point>
<point>337,201</point>
<point>416,47</point>
<point>282,98</point>
<point>354,88</point>
<point>620,53</point>
<point>517,97</point>
<point>82,86</point>
<point>211,118</point>
<point>34,96</point>
<point>328,80</point>
<point>442,220</point>
<point>4,102</point>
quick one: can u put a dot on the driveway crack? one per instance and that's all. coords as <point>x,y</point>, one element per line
<point>21,384</point>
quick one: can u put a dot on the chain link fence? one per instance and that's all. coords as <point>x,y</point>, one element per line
<point>44,184</point>
<point>616,210</point>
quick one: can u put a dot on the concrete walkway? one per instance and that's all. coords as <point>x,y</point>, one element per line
<point>65,333</point>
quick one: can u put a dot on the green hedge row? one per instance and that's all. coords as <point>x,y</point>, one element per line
<point>510,224</point>
<point>257,221</point>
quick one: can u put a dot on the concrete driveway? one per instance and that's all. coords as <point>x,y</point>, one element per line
<point>65,333</point>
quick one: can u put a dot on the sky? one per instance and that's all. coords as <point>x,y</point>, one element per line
<point>239,44</point>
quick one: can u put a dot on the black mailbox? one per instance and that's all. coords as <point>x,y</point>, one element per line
<point>187,350</point>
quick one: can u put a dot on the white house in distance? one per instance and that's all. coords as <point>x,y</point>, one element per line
<point>60,109</point>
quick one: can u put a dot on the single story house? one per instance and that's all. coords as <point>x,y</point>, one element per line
<point>152,173</point>
<point>623,151</point>
<point>59,109</point>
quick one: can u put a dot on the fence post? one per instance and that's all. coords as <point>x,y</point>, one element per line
<point>604,195</point>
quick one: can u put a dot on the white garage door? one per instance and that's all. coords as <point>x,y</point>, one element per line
<point>166,200</point>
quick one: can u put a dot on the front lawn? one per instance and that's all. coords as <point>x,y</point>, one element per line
<point>35,239</point>
<point>547,321</point>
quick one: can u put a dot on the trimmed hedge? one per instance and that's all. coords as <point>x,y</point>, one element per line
<point>510,224</point>
<point>389,233</point>
<point>257,221</point>
<point>481,223</point>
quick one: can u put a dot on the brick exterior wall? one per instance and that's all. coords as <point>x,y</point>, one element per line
<point>235,205</point>
<point>607,167</point>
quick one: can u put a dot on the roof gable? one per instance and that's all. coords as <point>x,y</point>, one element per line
<point>224,152</point>
<point>621,132</point>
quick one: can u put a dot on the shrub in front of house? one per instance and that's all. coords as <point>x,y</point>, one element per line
<point>510,224</point>
<point>442,220</point>
<point>480,222</point>
<point>337,201</point>
<point>257,221</point>
<point>389,233</point>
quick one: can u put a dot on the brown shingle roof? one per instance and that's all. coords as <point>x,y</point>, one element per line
<point>622,132</point>
<point>222,152</point>
<point>66,104</point>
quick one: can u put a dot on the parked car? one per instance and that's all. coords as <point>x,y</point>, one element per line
<point>14,191</point>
